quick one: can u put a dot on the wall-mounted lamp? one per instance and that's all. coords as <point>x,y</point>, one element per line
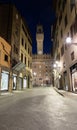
<point>70,41</point>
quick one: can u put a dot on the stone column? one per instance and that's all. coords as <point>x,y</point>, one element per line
<point>10,81</point>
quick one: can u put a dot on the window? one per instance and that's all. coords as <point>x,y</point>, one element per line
<point>57,43</point>
<point>65,46</point>
<point>64,65</point>
<point>22,41</point>
<point>62,50</point>
<point>63,5</point>
<point>25,46</point>
<point>72,4</point>
<point>25,60</point>
<point>71,30</point>
<point>16,16</point>
<point>40,78</point>
<point>21,57</point>
<point>72,55</point>
<point>58,56</point>
<point>60,18</point>
<point>6,57</point>
<point>40,66</point>
<point>23,28</point>
<point>75,25</point>
<point>15,49</point>
<point>61,33</point>
<point>28,63</point>
<point>59,4</point>
<point>28,50</point>
<point>65,20</point>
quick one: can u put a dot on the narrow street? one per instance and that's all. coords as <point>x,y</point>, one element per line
<point>38,109</point>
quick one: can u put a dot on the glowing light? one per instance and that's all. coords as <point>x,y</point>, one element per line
<point>68,40</point>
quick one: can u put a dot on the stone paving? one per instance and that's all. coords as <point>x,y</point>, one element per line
<point>38,109</point>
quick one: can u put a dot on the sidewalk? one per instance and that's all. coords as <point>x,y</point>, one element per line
<point>66,93</point>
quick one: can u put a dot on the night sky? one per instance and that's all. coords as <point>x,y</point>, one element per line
<point>35,12</point>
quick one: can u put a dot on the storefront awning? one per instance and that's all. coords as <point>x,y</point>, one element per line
<point>19,66</point>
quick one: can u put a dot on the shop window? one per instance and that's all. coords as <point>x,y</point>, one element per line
<point>6,57</point>
<point>72,56</point>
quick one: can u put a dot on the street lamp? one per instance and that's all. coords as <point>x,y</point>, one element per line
<point>69,40</point>
<point>34,74</point>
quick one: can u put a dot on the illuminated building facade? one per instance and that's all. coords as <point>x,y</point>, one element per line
<point>16,32</point>
<point>66,54</point>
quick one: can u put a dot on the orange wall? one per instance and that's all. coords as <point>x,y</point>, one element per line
<point>5,48</point>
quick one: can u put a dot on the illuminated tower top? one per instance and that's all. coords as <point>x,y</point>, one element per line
<point>39,39</point>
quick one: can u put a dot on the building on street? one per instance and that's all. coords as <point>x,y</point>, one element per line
<point>41,63</point>
<point>65,45</point>
<point>16,32</point>
<point>5,65</point>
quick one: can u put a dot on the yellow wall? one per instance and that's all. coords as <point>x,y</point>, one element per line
<point>5,48</point>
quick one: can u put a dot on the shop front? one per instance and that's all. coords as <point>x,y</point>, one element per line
<point>65,81</point>
<point>74,81</point>
<point>74,77</point>
<point>18,79</point>
<point>14,85</point>
<point>20,83</point>
<point>24,82</point>
<point>4,80</point>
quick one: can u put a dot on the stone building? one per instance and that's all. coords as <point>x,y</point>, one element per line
<point>5,65</point>
<point>41,63</point>
<point>41,69</point>
<point>15,31</point>
<point>66,52</point>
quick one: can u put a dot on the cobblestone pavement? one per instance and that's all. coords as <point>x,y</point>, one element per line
<point>37,109</point>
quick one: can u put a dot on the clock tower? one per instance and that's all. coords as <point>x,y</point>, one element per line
<point>39,39</point>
